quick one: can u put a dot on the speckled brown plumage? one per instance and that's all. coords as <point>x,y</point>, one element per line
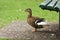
<point>31,19</point>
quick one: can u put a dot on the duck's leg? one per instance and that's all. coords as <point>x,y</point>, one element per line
<point>34,30</point>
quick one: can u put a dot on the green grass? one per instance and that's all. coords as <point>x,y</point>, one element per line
<point>11,9</point>
<point>13,39</point>
<point>5,39</point>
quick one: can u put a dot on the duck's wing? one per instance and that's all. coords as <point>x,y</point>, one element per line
<point>41,21</point>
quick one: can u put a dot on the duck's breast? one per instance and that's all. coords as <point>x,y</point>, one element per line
<point>31,21</point>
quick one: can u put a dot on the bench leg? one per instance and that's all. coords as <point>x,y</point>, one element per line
<point>59,22</point>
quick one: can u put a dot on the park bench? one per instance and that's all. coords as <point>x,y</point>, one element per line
<point>57,7</point>
<point>45,3</point>
<point>51,5</point>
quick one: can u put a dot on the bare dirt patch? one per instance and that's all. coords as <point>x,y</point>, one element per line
<point>20,29</point>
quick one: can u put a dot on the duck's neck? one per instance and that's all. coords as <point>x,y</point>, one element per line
<point>29,14</point>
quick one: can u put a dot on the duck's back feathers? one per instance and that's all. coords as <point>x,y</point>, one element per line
<point>34,20</point>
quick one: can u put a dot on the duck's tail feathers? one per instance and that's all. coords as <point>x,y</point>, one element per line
<point>43,23</point>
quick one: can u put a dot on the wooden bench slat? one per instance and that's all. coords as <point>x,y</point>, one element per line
<point>57,7</point>
<point>51,5</point>
<point>45,3</point>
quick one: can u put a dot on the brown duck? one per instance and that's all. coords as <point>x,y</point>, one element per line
<point>35,22</point>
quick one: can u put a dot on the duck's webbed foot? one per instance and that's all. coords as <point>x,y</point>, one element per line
<point>34,30</point>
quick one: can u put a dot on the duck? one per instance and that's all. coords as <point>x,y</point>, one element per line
<point>35,22</point>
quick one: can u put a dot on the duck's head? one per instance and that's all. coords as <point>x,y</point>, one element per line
<point>28,10</point>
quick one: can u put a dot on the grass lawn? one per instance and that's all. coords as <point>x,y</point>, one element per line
<point>11,9</point>
<point>11,39</point>
<point>5,39</point>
